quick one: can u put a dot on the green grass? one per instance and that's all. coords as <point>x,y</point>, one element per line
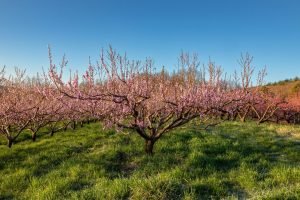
<point>231,161</point>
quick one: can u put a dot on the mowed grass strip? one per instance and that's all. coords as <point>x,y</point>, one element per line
<point>232,161</point>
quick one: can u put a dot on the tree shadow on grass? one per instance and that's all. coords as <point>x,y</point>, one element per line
<point>223,152</point>
<point>259,148</point>
<point>6,196</point>
<point>197,154</point>
<point>79,185</point>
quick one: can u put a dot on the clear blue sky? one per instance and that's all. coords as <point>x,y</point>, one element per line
<point>221,29</point>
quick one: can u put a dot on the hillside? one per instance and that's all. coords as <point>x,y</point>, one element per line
<point>286,88</point>
<point>231,161</point>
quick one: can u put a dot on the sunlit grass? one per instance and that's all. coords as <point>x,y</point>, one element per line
<point>231,161</point>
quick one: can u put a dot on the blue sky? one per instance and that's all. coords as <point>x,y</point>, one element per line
<point>220,29</point>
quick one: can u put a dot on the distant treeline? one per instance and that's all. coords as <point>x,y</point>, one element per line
<point>282,82</point>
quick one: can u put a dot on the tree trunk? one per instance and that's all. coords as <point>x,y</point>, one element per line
<point>66,125</point>
<point>10,143</point>
<point>277,120</point>
<point>243,119</point>
<point>33,136</point>
<point>52,132</point>
<point>234,117</point>
<point>81,124</point>
<point>74,125</point>
<point>260,121</point>
<point>149,144</point>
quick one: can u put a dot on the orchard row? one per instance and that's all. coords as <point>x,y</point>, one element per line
<point>132,95</point>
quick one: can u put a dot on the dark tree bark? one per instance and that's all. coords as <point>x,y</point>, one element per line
<point>149,144</point>
<point>74,125</point>
<point>52,132</point>
<point>33,136</point>
<point>10,143</point>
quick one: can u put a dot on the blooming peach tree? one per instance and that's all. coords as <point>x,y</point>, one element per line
<point>132,95</point>
<point>17,109</point>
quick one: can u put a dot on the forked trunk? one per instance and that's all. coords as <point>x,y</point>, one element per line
<point>260,121</point>
<point>243,119</point>
<point>66,126</point>
<point>149,144</point>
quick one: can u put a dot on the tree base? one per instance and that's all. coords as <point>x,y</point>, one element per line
<point>149,144</point>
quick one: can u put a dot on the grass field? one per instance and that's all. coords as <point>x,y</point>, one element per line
<point>231,161</point>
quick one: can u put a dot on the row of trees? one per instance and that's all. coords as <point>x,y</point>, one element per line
<point>126,94</point>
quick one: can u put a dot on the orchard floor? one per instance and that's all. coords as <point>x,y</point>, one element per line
<point>231,161</point>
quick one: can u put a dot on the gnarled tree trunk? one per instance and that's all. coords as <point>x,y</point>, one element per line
<point>149,144</point>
